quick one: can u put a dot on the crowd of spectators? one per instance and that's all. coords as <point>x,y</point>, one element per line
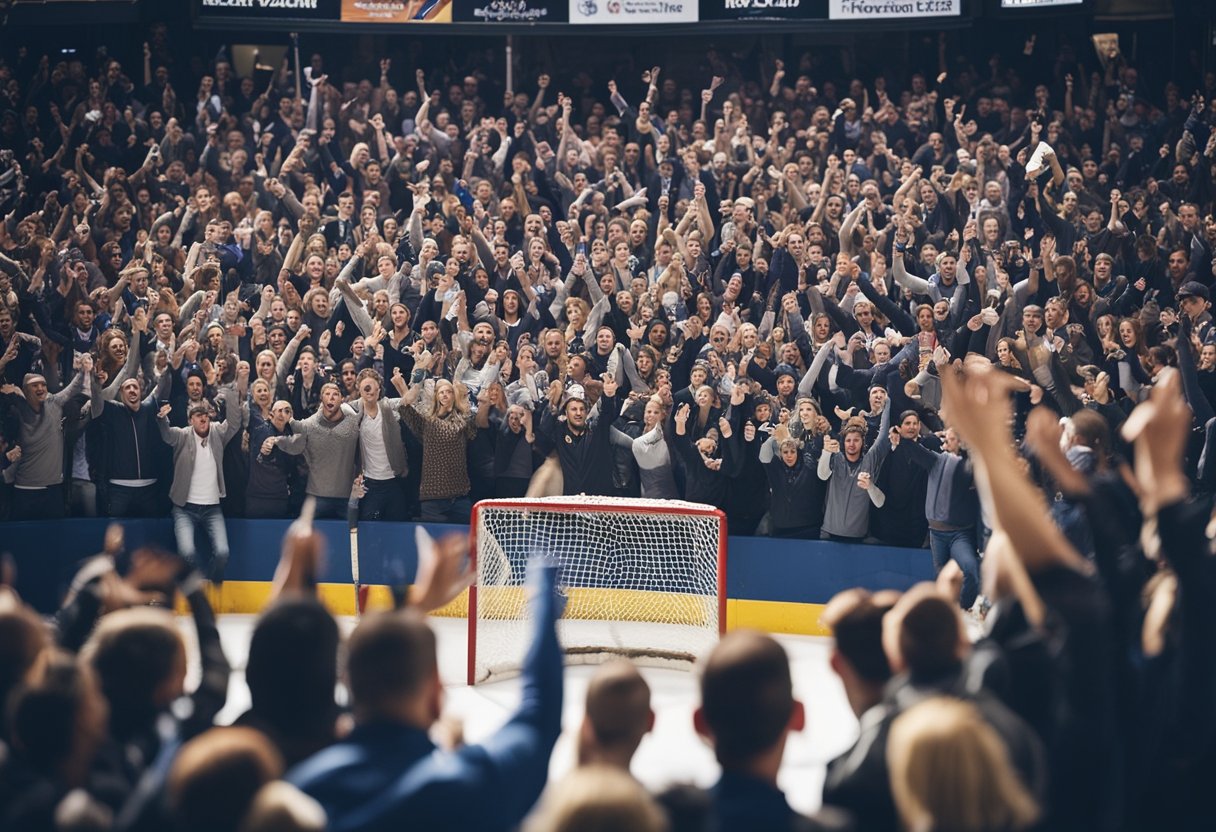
<point>972,311</point>
<point>1084,703</point>
<point>739,294</point>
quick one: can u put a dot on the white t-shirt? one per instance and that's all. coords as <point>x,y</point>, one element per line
<point>204,481</point>
<point>371,438</point>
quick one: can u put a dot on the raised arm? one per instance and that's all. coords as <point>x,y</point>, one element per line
<point>980,409</point>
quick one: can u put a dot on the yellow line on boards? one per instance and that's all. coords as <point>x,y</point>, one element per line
<point>251,597</point>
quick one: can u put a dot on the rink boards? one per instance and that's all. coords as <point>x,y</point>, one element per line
<point>775,585</point>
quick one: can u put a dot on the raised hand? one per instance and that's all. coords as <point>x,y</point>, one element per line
<point>1159,428</point>
<point>724,428</point>
<point>443,570</point>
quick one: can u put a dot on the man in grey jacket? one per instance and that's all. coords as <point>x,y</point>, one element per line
<point>198,480</point>
<point>329,440</point>
<point>38,474</point>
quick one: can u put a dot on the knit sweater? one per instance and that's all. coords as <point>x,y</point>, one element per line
<point>445,471</point>
<point>331,450</point>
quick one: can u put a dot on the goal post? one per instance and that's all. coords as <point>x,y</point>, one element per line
<point>645,579</point>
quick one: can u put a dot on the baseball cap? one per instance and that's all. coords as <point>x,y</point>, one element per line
<point>1194,289</point>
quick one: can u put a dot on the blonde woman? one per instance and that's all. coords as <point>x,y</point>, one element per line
<point>445,428</point>
<point>597,797</point>
<point>578,312</point>
<point>950,772</point>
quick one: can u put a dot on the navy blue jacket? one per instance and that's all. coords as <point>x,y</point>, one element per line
<point>391,776</point>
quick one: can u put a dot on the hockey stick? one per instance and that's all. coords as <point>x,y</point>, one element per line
<point>352,517</point>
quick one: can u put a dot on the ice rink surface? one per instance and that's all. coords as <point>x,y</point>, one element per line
<point>672,753</point>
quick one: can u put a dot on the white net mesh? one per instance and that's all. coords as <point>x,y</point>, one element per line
<point>642,578</point>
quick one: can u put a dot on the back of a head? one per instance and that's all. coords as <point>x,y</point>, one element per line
<point>281,807</point>
<point>23,638</point>
<point>618,705</point>
<point>134,652</point>
<point>855,619</point>
<point>1091,430</point>
<point>293,665</point>
<point>389,658</point>
<point>688,808</point>
<point>927,633</point>
<point>50,719</point>
<point>216,776</point>
<point>951,772</point>
<point>597,799</point>
<point>746,695</point>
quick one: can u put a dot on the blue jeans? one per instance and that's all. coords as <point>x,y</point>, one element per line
<point>454,510</point>
<point>186,520</point>
<point>958,546</point>
<point>331,508</point>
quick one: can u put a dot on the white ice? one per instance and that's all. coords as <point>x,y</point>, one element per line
<point>672,753</point>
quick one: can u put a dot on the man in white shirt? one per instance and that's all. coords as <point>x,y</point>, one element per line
<point>381,450</point>
<point>198,480</point>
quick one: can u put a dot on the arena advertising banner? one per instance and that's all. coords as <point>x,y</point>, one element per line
<point>764,9</point>
<point>397,11</point>
<point>862,10</point>
<point>1034,4</point>
<point>628,12</point>
<point>269,10</point>
<point>510,11</point>
<point>522,15</point>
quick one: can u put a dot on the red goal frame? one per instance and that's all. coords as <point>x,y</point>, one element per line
<point>559,507</point>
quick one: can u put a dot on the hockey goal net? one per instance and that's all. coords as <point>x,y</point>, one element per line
<point>645,579</point>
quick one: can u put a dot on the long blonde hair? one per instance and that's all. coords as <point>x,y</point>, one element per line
<point>460,400</point>
<point>597,798</point>
<point>950,772</point>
